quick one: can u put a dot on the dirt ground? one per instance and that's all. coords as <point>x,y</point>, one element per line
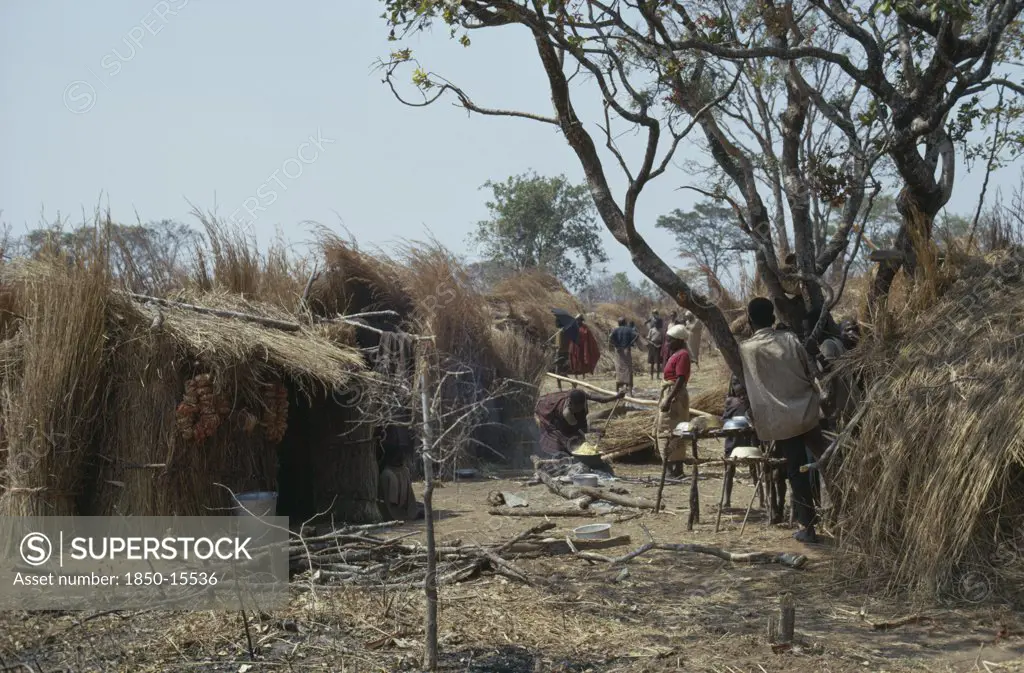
<point>663,611</point>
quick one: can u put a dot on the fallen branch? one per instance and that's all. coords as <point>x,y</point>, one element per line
<point>896,623</point>
<point>631,400</point>
<point>757,558</point>
<point>220,313</point>
<point>556,547</point>
<point>535,530</point>
<point>523,512</point>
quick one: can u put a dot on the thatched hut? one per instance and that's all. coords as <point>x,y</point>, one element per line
<point>116,406</point>
<point>428,292</point>
<point>932,482</point>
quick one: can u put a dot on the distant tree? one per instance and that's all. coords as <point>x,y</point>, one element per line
<point>708,236</point>
<point>619,289</point>
<point>146,257</point>
<point>541,222</point>
<point>951,225</point>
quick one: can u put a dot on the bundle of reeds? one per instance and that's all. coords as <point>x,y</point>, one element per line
<point>354,281</point>
<point>633,430</point>
<point>933,482</point>
<point>52,408</point>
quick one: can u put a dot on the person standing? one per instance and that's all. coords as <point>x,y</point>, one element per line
<point>621,341</point>
<point>583,352</point>
<point>675,398</point>
<point>562,341</point>
<point>784,403</point>
<point>654,343</point>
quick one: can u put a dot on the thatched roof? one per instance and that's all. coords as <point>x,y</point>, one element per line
<point>311,356</point>
<point>307,356</point>
<point>934,480</point>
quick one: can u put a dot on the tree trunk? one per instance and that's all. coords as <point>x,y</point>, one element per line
<point>620,223</point>
<point>915,230</point>
<point>430,580</point>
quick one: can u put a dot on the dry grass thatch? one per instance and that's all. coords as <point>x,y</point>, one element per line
<point>93,395</point>
<point>432,294</point>
<point>934,481</point>
<point>52,407</point>
<point>528,298</point>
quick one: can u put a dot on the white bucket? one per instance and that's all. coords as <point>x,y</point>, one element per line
<point>259,503</point>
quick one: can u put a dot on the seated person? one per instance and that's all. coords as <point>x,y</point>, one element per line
<point>394,490</point>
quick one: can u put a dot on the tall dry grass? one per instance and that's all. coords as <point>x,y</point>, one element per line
<point>933,482</point>
<point>52,410</point>
<point>228,259</point>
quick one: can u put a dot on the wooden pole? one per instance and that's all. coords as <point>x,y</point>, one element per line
<point>787,618</point>
<point>694,492</point>
<point>604,428</point>
<point>664,458</point>
<point>721,500</point>
<point>430,581</point>
<point>631,400</point>
<point>220,313</point>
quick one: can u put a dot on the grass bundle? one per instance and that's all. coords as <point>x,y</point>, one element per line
<point>52,408</point>
<point>230,262</point>
<point>933,483</point>
<point>634,429</point>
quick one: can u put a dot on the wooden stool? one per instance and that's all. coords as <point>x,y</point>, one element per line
<point>742,455</point>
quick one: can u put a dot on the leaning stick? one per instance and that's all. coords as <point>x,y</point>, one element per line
<point>664,458</point>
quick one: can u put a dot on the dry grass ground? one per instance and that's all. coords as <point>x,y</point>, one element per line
<point>663,612</point>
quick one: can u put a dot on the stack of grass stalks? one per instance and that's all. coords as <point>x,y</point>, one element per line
<point>52,407</point>
<point>633,430</point>
<point>933,483</point>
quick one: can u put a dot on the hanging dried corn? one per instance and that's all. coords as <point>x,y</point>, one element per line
<point>202,409</point>
<point>275,411</point>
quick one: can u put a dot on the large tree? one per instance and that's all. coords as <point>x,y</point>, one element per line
<point>797,99</point>
<point>541,222</point>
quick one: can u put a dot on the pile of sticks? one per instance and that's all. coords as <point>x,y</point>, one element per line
<point>359,556</point>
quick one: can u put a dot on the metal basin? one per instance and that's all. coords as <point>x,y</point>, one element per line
<point>585,479</point>
<point>738,423</point>
<point>746,453</point>
<point>594,531</point>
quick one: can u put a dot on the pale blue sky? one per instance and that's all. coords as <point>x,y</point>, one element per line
<point>225,93</point>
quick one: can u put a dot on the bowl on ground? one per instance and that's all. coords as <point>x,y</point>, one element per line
<point>585,479</point>
<point>593,531</point>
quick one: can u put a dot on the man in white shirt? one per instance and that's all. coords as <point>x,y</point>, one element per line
<point>784,402</point>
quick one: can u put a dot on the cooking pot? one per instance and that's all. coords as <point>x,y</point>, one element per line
<point>737,423</point>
